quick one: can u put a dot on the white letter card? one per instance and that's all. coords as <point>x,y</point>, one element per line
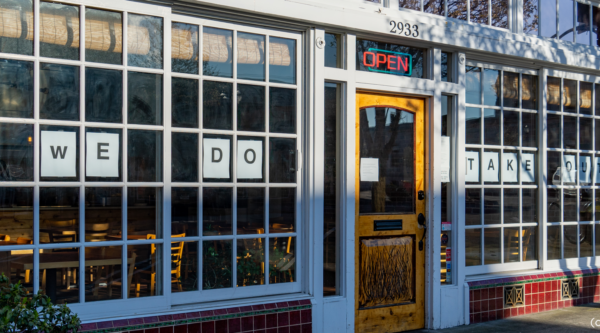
<point>527,168</point>
<point>585,169</point>
<point>216,158</point>
<point>472,160</point>
<point>369,169</point>
<point>569,169</point>
<point>59,151</point>
<point>102,155</point>
<point>249,159</point>
<point>511,167</point>
<point>491,167</point>
<point>597,170</point>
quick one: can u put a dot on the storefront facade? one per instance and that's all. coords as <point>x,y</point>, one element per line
<point>298,166</point>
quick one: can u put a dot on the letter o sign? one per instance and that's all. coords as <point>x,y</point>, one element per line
<point>248,151</point>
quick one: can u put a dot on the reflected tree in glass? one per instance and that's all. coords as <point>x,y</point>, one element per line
<point>145,41</point>
<point>59,92</point>
<point>216,264</point>
<point>457,9</point>
<point>250,262</point>
<point>531,17</point>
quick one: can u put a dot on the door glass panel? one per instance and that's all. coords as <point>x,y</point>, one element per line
<point>387,143</point>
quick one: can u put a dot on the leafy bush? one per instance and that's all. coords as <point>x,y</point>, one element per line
<point>25,313</point>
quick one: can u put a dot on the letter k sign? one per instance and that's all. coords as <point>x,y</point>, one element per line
<point>58,154</point>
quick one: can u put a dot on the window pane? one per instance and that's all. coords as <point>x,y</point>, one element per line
<point>586,197</point>
<point>554,205</point>
<point>144,156</point>
<point>595,26</point>
<point>491,166</point>
<point>217,153</point>
<point>103,273</point>
<point>16,87</point>
<point>447,64</point>
<point>184,48</point>
<point>491,87</point>
<point>101,165</point>
<point>570,96</point>
<point>434,7</point>
<point>184,154</point>
<point>145,41</point>
<point>597,134</point>
<point>59,31</point>
<point>16,152</point>
<point>554,242</point>
<point>511,128</point>
<point>18,266</point>
<point>572,238</point>
<point>529,129</point>
<point>184,102</point>
<point>217,211</point>
<point>144,100</point>
<point>554,94</point>
<point>333,50</point>
<point>250,56</point>
<point>410,4</point>
<point>458,9</point>
<point>585,97</point>
<point>282,260</point>
<point>250,108</point>
<point>250,262</point>
<point>554,131</point>
<point>473,247</point>
<point>59,92</point>
<point>59,269</point>
<point>184,212</point>
<point>282,110</point>
<point>217,55</point>
<point>512,205</point>
<point>250,210</point>
<point>530,92</point>
<point>473,128</point>
<point>530,200</point>
<point>144,213</point>
<point>18,36</point>
<point>103,214</point>
<point>585,240</point>
<point>548,18</point>
<point>282,210</point>
<point>282,160</point>
<point>565,21</point>
<point>511,245</point>
<point>103,36</point>
<point>59,214</point>
<point>570,205</point>
<point>479,11</point>
<point>570,132</point>
<point>511,89</point>
<point>530,248</point>
<point>103,85</point>
<point>473,93</point>
<point>184,266</point>
<point>531,17</point>
<point>216,264</point>
<point>500,13</point>
<point>331,190</point>
<point>585,134</point>
<point>491,206</point>
<point>217,107</point>
<point>554,162</point>
<point>597,230</point>
<point>282,60</point>
<point>16,214</point>
<point>146,273</point>
<point>61,164</point>
<point>472,206</point>
<point>491,123</point>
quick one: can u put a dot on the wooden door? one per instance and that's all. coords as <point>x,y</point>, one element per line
<point>390,202</point>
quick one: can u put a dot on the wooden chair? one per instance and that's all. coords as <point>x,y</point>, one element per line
<point>176,254</point>
<point>4,238</point>
<point>95,232</point>
<point>24,241</point>
<point>151,272</point>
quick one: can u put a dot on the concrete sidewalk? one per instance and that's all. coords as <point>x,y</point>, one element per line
<point>572,319</point>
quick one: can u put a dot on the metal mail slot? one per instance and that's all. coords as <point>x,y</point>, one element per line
<point>388,225</point>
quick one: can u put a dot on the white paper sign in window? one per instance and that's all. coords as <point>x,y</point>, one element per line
<point>369,169</point>
<point>597,170</point>
<point>445,159</point>
<point>585,169</point>
<point>510,172</point>
<point>59,151</point>
<point>491,167</point>
<point>569,169</point>
<point>528,168</point>
<point>472,159</point>
<point>102,155</point>
<point>216,158</point>
<point>249,159</point>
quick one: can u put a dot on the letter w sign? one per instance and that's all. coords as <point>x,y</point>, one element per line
<point>58,154</point>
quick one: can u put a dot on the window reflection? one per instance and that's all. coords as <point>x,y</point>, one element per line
<point>333,50</point>
<point>250,56</point>
<point>491,123</point>
<point>144,213</point>
<point>548,18</point>
<point>282,210</point>
<point>282,60</point>
<point>282,110</point>
<point>251,108</point>
<point>59,276</point>
<point>282,260</point>
<point>145,41</point>
<point>217,53</point>
<point>103,36</point>
<point>531,18</point>
<point>103,85</point>
<point>500,13</point>
<point>216,264</point>
<point>16,20</point>
<point>473,128</point>
<point>144,270</point>
<point>184,48</point>
<point>184,154</point>
<point>582,27</point>
<point>103,273</point>
<point>457,9</point>
<point>473,93</point>
<point>217,110</point>
<point>250,210</point>
<point>59,31</point>
<point>434,7</point>
<point>250,262</point>
<point>553,240</point>
<point>59,214</point>
<point>479,11</point>
<point>282,160</point>
<point>184,212</point>
<point>144,156</point>
<point>491,87</point>
<point>103,213</point>
<point>16,214</point>
<point>16,88</point>
<point>410,4</point>
<point>184,102</point>
<point>144,100</point>
<point>473,247</point>
<point>59,92</point>
<point>565,20</point>
<point>217,211</point>
<point>16,152</point>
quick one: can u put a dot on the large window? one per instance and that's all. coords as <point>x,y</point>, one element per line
<point>501,195</point>
<point>121,180</point>
<point>572,167</point>
<point>486,12</point>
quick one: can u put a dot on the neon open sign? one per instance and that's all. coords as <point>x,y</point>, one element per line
<point>389,62</point>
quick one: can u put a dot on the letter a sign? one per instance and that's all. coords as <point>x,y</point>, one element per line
<point>58,153</point>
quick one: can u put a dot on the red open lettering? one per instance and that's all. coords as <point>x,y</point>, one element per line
<point>381,59</point>
<point>404,64</point>
<point>365,59</point>
<point>390,58</point>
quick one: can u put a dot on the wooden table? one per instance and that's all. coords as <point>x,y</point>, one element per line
<point>129,237</point>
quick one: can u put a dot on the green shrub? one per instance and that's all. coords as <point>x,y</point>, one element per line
<point>26,313</point>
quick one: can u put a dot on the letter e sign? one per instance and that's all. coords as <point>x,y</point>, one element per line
<point>249,159</point>
<point>59,151</point>
<point>102,155</point>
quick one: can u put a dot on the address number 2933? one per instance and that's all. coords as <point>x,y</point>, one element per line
<point>404,29</point>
